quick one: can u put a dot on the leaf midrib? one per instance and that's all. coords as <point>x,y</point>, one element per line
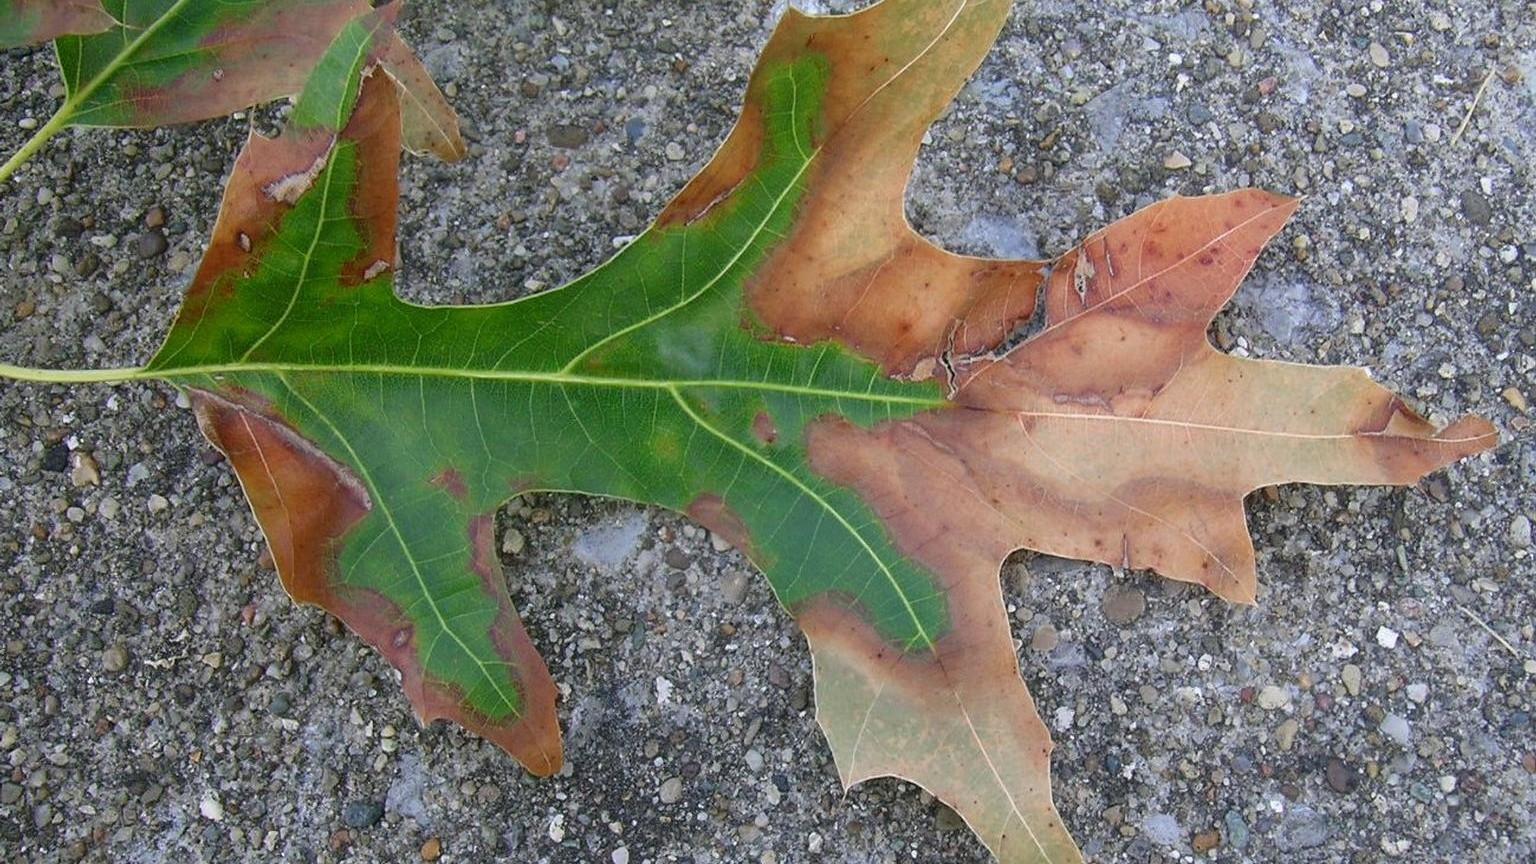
<point>519,377</point>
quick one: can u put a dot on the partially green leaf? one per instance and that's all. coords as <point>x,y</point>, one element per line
<point>784,359</point>
<point>158,62</point>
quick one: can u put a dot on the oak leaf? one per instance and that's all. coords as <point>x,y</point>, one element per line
<point>155,62</point>
<point>785,360</point>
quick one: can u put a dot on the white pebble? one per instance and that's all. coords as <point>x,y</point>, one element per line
<point>1386,637</point>
<point>1396,728</point>
<point>1272,697</point>
<point>211,809</point>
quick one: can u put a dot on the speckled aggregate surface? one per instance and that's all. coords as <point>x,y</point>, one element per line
<point>161,700</point>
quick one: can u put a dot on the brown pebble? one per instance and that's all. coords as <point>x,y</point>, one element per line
<point>150,244</point>
<point>432,850</point>
<point>24,309</point>
<point>155,218</point>
<point>1207,840</point>
<point>1123,604</point>
<point>1341,777</point>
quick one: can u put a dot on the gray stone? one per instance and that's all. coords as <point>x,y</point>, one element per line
<point>362,814</point>
<point>1162,829</point>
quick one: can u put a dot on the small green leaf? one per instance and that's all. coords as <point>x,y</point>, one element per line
<point>171,61</point>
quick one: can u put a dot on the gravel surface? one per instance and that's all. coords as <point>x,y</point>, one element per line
<point>161,700</point>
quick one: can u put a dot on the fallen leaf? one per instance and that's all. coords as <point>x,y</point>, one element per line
<point>172,61</point>
<point>784,359</point>
<point>23,22</point>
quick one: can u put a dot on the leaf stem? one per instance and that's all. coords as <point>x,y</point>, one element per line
<point>71,376</point>
<point>43,135</point>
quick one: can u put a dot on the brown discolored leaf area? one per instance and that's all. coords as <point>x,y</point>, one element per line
<point>41,20</point>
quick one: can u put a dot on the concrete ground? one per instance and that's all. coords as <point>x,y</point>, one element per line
<point>161,700</point>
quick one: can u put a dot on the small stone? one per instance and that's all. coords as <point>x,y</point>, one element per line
<point>150,244</point>
<point>1301,828</point>
<point>1285,736</point>
<point>1355,90</point>
<point>557,827</point>
<point>432,850</point>
<point>675,151</point>
<point>567,136</point>
<point>10,793</point>
<point>1439,21</point>
<point>85,471</point>
<point>211,809</point>
<point>1476,208</point>
<point>1516,399</point>
<point>155,217</point>
<point>362,814</point>
<point>671,790</point>
<point>1520,532</point>
<point>754,760</point>
<point>1396,727</point>
<point>947,820</point>
<point>1352,678</point>
<point>56,458</point>
<point>1176,161</point>
<point>1410,209</point>
<point>1045,638</point>
<point>1418,692</point>
<point>1448,783</point>
<point>513,542</point>
<point>1379,56</point>
<point>157,503</point>
<point>1386,637</point>
<point>733,587</point>
<point>115,658</point>
<point>1123,604</point>
<point>1162,829</point>
<point>1272,698</point>
<point>1206,840</point>
<point>1341,778</point>
<point>620,855</point>
<point>1237,829</point>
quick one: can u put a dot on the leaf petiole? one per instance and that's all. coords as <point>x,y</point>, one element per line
<point>71,376</point>
<point>43,135</point>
